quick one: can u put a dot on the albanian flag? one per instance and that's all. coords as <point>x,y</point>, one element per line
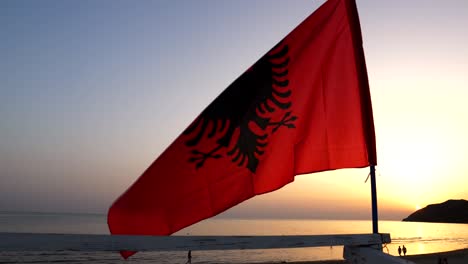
<point>303,107</point>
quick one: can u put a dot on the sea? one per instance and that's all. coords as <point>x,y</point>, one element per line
<point>418,238</point>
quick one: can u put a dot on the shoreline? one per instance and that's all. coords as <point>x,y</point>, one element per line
<point>459,256</point>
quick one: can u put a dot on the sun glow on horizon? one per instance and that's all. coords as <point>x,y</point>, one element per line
<point>77,135</point>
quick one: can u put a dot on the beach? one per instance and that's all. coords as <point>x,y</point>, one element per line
<point>453,257</point>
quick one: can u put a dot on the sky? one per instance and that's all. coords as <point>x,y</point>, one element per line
<point>91,92</point>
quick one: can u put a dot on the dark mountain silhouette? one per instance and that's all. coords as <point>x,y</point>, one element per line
<point>451,211</point>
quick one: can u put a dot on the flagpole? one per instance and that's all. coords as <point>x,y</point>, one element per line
<point>375,223</point>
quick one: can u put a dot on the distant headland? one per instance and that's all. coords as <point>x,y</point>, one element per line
<point>451,211</point>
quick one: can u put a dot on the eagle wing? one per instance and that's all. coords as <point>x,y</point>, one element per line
<point>250,98</point>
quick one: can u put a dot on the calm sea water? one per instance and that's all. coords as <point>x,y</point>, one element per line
<point>418,238</point>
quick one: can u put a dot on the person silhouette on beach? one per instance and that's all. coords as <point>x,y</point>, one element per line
<point>189,257</point>
<point>442,261</point>
<point>399,251</point>
<point>404,250</point>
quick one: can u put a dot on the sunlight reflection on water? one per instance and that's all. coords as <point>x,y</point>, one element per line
<point>418,238</point>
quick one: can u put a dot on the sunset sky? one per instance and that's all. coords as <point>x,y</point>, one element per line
<point>91,92</point>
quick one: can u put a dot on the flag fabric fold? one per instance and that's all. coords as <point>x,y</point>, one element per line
<point>303,107</point>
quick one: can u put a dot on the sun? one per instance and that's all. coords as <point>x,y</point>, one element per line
<point>418,207</point>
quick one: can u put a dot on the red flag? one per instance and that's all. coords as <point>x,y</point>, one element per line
<point>303,107</point>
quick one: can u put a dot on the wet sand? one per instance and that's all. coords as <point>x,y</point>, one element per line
<point>453,257</point>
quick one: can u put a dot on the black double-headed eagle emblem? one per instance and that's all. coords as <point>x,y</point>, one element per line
<point>253,97</point>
